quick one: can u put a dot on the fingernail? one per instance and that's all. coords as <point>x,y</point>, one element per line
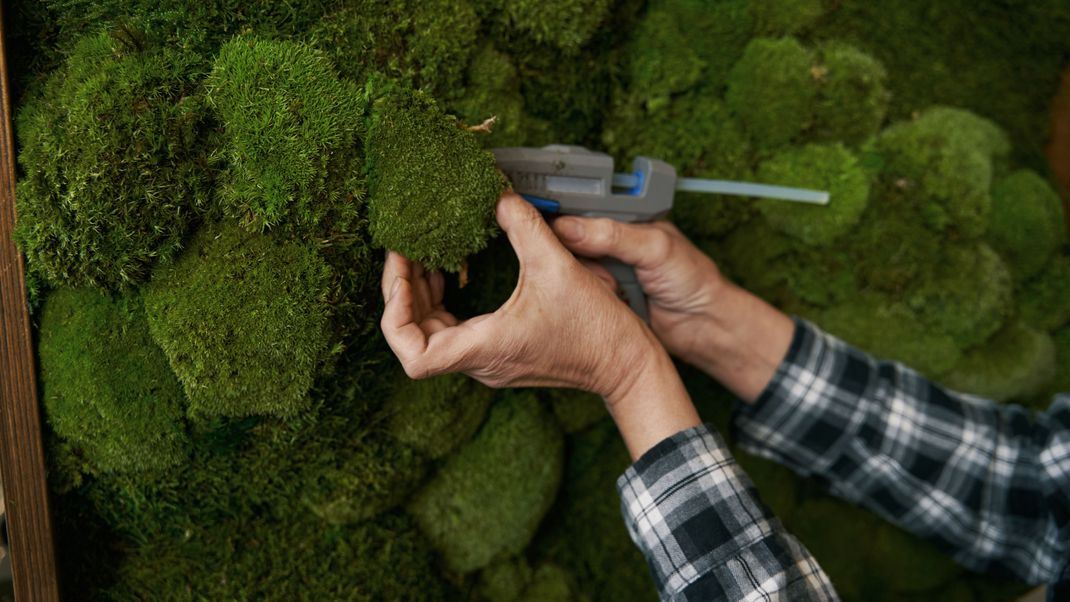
<point>569,229</point>
<point>394,288</point>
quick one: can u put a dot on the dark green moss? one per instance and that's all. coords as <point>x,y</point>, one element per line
<point>433,189</point>
<point>852,100</point>
<point>292,128</point>
<point>772,89</point>
<point>243,319</point>
<point>776,484</point>
<point>1027,224</point>
<point>475,509</point>
<point>1044,301</point>
<point>909,564</point>
<point>565,24</point>
<point>942,162</point>
<point>575,410</point>
<point>1016,362</point>
<point>820,167</point>
<point>841,551</point>
<point>113,160</point>
<point>437,414</point>
<point>784,17</point>
<point>107,388</point>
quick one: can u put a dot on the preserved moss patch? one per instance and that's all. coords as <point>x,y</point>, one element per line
<point>1027,224</point>
<point>243,319</point>
<point>437,414</point>
<point>772,89</point>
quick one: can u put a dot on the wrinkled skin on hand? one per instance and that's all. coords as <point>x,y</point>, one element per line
<point>563,326</point>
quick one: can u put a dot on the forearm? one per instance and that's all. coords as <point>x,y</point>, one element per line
<point>740,341</point>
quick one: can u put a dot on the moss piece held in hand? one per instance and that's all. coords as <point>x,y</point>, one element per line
<point>851,98</point>
<point>291,131</point>
<point>772,89</point>
<point>114,161</point>
<point>476,509</point>
<point>242,317</point>
<point>1027,224</point>
<point>1017,362</point>
<point>433,188</point>
<point>437,414</point>
<point>107,387</point>
<point>830,168</point>
<point>941,164</point>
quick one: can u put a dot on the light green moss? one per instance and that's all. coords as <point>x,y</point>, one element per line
<point>772,89</point>
<point>291,131</point>
<point>852,100</point>
<point>437,414</point>
<point>830,168</point>
<point>242,317</point>
<point>433,189</point>
<point>1027,224</point>
<point>113,159</point>
<point>1017,362</point>
<point>475,509</point>
<point>1044,301</point>
<point>107,388</point>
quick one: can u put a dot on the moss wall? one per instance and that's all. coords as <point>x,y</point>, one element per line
<point>205,189</point>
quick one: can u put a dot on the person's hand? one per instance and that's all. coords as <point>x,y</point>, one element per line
<point>698,315</point>
<point>562,327</point>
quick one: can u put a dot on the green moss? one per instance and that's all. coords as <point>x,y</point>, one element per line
<point>585,534</point>
<point>114,139</point>
<point>437,414</point>
<point>1027,223</point>
<point>820,167</point>
<point>291,135</point>
<point>967,295</point>
<point>475,509</point>
<point>568,92</point>
<point>909,564</point>
<point>504,580</point>
<point>290,558</point>
<point>784,17</point>
<point>852,100</point>
<point>493,90</point>
<point>1061,383</point>
<point>106,386</point>
<point>242,317</point>
<point>433,189</point>
<point>776,484</point>
<point>575,410</point>
<point>565,24</point>
<point>550,583</point>
<point>1017,362</point>
<point>941,163</point>
<point>772,89</point>
<point>1044,301</point>
<point>891,331</point>
<point>841,551</point>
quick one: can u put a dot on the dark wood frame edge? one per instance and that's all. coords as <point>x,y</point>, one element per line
<point>22,461</point>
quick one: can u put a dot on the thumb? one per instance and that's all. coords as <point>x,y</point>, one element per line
<point>528,232</point>
<point>645,246</point>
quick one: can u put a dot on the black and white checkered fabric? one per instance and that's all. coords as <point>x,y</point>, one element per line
<point>988,483</point>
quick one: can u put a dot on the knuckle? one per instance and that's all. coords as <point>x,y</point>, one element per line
<point>661,244</point>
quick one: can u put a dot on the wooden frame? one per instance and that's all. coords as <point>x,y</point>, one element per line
<point>22,460</point>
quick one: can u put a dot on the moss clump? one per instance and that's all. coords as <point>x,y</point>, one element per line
<point>585,533</point>
<point>772,89</point>
<point>433,189</point>
<point>437,414</point>
<point>289,558</point>
<point>941,163</point>
<point>841,551</point>
<point>852,100</point>
<point>776,484</point>
<point>575,410</point>
<point>1027,224</point>
<point>242,317</point>
<point>514,581</point>
<point>565,24</point>
<point>493,90</point>
<point>1044,301</point>
<point>784,17</point>
<point>1017,362</point>
<point>476,510</point>
<point>291,135</point>
<point>114,161</point>
<point>820,167</point>
<point>106,386</point>
<point>909,564</point>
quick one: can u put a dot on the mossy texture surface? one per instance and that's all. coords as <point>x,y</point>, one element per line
<point>205,190</point>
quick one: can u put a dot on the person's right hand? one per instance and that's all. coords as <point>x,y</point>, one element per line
<point>682,283</point>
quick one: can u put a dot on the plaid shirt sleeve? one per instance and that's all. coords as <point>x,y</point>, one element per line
<point>697,518</point>
<point>988,483</point>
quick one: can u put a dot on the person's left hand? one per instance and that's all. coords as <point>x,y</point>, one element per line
<point>562,326</point>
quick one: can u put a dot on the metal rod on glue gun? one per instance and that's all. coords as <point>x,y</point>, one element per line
<point>784,193</point>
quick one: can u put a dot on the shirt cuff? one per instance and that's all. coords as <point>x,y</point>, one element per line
<point>690,508</point>
<point>810,408</point>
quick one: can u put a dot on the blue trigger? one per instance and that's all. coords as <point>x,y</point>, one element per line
<point>544,205</point>
<point>638,188</point>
